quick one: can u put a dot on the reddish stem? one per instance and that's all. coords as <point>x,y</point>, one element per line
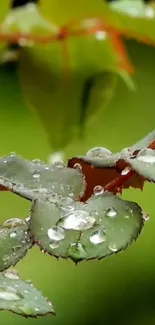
<point>118,182</point>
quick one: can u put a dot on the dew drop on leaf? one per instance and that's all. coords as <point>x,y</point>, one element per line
<point>111,212</point>
<point>77,220</point>
<point>5,294</point>
<point>112,247</point>
<point>14,222</point>
<point>56,233</point>
<point>98,190</point>
<point>54,244</point>
<point>98,237</point>
<point>125,153</point>
<point>11,274</point>
<point>126,170</point>
<point>145,217</point>
<point>77,166</point>
<point>36,174</point>
<point>37,161</point>
<point>13,234</point>
<point>98,152</point>
<point>59,164</point>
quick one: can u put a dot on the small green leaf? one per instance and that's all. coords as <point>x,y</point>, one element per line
<point>104,225</point>
<point>21,297</point>
<point>14,242</point>
<point>35,179</point>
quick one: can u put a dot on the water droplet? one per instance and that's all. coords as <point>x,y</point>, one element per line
<point>54,244</point>
<point>9,296</point>
<point>12,154</point>
<point>14,222</point>
<point>145,217</point>
<point>126,170</point>
<point>13,234</point>
<point>77,251</point>
<point>26,291</point>
<point>28,219</point>
<point>112,247</point>
<point>11,274</point>
<point>5,258</point>
<point>36,309</point>
<point>36,174</point>
<point>146,152</point>
<point>98,237</point>
<point>77,166</point>
<point>56,157</point>
<point>56,233</point>
<point>37,161</point>
<point>98,190</point>
<point>111,212</point>
<point>66,204</point>
<point>146,155</point>
<point>77,220</point>
<point>125,153</point>
<point>98,152</point>
<point>59,164</point>
<point>5,182</point>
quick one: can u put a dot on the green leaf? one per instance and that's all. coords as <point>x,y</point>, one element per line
<point>145,142</point>
<point>14,242</point>
<point>21,297</point>
<point>62,11</point>
<point>27,20</point>
<point>103,226</point>
<point>4,7</point>
<point>133,18</point>
<point>65,85</point>
<point>144,164</point>
<point>33,179</point>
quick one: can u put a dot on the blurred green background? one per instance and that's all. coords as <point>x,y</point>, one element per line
<point>118,289</point>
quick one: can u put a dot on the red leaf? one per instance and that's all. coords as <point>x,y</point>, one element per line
<point>109,178</point>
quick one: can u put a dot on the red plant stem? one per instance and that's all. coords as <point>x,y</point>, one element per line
<point>118,182</point>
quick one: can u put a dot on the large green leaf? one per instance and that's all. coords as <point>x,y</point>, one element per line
<point>21,297</point>
<point>104,225</point>
<point>14,242</point>
<point>33,179</point>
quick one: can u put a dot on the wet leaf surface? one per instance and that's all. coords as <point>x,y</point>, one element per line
<point>21,297</point>
<point>103,226</point>
<point>14,242</point>
<point>33,179</point>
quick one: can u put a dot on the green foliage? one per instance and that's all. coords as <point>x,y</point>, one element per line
<point>35,179</point>
<point>67,75</point>
<point>21,297</point>
<point>60,223</point>
<point>14,242</point>
<point>103,226</point>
